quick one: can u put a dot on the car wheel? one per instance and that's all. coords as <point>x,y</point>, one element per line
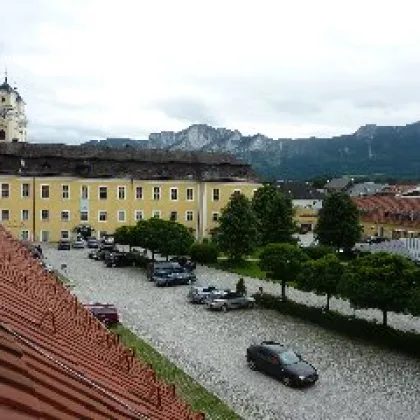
<point>224,308</point>
<point>251,364</point>
<point>287,381</point>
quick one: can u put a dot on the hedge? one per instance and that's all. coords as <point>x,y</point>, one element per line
<point>355,328</point>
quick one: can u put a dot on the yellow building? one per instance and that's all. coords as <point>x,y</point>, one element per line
<point>44,197</point>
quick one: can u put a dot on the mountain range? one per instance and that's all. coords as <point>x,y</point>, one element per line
<point>379,151</point>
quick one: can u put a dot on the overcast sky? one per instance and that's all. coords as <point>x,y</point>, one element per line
<point>91,69</point>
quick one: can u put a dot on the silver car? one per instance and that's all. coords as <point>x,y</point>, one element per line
<point>199,294</point>
<point>229,300</point>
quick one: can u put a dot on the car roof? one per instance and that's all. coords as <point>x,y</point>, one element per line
<point>273,345</point>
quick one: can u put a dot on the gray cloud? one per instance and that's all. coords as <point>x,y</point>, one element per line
<point>82,80</point>
<point>189,110</point>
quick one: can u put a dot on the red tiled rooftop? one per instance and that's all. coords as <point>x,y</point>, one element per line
<point>59,362</point>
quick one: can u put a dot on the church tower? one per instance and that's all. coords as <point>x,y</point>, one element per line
<point>12,114</point>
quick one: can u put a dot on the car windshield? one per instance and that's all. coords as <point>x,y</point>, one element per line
<point>289,357</point>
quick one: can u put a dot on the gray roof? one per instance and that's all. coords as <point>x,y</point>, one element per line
<point>300,190</point>
<point>29,159</point>
<point>338,184</point>
<point>366,188</point>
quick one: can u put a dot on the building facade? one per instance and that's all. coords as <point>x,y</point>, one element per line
<point>12,114</point>
<point>47,191</point>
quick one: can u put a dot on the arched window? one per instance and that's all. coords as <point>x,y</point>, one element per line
<point>2,135</point>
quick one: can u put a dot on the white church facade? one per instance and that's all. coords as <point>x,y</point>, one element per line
<point>13,121</point>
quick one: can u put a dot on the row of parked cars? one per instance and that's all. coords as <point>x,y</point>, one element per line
<point>78,243</point>
<point>270,357</point>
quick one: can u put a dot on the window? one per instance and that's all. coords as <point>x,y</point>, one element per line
<point>138,215</point>
<point>84,216</point>
<point>25,215</point>
<point>121,193</point>
<point>254,191</point>
<point>24,235</point>
<point>156,193</point>
<point>45,236</point>
<point>45,191</point>
<point>102,216</point>
<point>121,215</point>
<point>173,216</point>
<point>189,216</point>
<point>103,193</point>
<point>215,217</point>
<point>65,216</point>
<point>174,193</point>
<point>65,192</point>
<point>65,234</point>
<point>84,192</point>
<point>5,215</point>
<point>216,194</point>
<point>190,194</point>
<point>156,213</point>
<point>5,191</point>
<point>45,215</point>
<point>25,190</point>
<point>236,191</point>
<point>139,193</point>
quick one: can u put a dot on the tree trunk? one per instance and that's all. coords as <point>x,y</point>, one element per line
<point>167,258</point>
<point>153,255</point>
<point>327,308</point>
<point>384,318</point>
<point>283,289</point>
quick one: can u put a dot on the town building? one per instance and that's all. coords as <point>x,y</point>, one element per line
<point>306,200</point>
<point>48,190</point>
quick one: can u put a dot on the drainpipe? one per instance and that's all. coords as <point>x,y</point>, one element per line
<point>33,208</point>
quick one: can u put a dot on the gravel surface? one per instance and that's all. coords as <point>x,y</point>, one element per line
<point>356,381</point>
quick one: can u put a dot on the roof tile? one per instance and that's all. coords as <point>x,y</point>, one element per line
<point>59,362</point>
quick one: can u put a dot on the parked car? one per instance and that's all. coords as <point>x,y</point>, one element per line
<point>119,259</point>
<point>92,242</point>
<point>185,262</point>
<point>198,294</point>
<point>94,254</point>
<point>64,244</point>
<point>281,362</point>
<point>158,266</point>
<point>105,312</point>
<point>79,243</point>
<point>229,300</point>
<point>173,275</point>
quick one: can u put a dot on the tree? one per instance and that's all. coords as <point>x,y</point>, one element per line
<point>384,281</point>
<point>275,215</point>
<point>283,262</point>
<point>414,302</point>
<point>321,276</point>
<point>178,239</point>
<point>125,235</point>
<point>338,222</point>
<point>150,235</point>
<point>85,231</point>
<point>237,232</point>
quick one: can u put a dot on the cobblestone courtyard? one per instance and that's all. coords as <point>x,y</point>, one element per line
<point>356,381</point>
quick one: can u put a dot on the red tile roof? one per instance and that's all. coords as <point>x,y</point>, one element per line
<point>403,211</point>
<point>58,362</point>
